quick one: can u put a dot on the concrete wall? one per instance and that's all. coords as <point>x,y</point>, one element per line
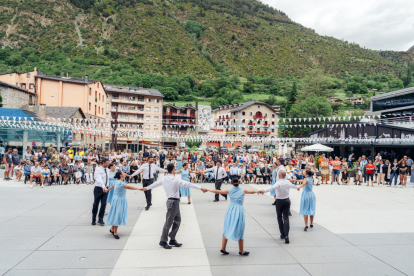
<point>14,98</point>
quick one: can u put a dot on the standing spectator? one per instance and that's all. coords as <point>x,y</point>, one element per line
<point>27,155</point>
<point>145,154</point>
<point>8,162</point>
<point>50,150</point>
<point>71,154</point>
<point>403,168</point>
<point>370,172</point>
<point>15,160</point>
<point>335,170</point>
<point>394,172</point>
<point>227,169</point>
<point>351,159</point>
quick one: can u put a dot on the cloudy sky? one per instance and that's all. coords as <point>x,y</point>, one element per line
<point>375,24</point>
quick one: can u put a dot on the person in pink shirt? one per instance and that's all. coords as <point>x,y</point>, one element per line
<point>246,158</point>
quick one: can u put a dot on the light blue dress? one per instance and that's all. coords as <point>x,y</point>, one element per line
<point>184,191</point>
<point>111,183</point>
<point>234,220</point>
<point>274,175</point>
<point>118,213</point>
<point>179,163</point>
<point>308,199</point>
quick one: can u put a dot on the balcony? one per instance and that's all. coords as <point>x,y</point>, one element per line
<point>250,132</point>
<point>251,124</point>
<point>259,117</point>
<point>182,114</point>
<point>266,125</point>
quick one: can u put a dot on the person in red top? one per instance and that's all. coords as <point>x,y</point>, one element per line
<point>370,172</point>
<point>335,170</point>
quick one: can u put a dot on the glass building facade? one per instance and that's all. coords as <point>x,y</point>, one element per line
<point>394,102</point>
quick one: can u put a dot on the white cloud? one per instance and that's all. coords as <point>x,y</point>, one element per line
<point>375,24</point>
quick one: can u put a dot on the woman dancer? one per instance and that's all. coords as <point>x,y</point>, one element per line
<point>308,200</point>
<point>274,175</point>
<point>118,213</point>
<point>234,220</point>
<point>185,191</point>
<point>179,162</point>
<point>111,182</point>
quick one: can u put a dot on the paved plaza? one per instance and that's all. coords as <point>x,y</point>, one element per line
<point>358,230</point>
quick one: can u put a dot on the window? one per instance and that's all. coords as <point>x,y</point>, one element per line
<point>273,115</point>
<point>156,109</point>
<point>132,98</point>
<point>132,108</point>
<point>258,106</point>
<point>157,100</point>
<point>251,113</point>
<point>140,108</point>
<point>114,106</point>
<point>24,85</point>
<point>89,106</point>
<point>99,96</point>
<point>28,75</point>
<point>122,116</point>
<point>148,109</point>
<point>148,100</point>
<point>115,96</point>
<point>155,126</point>
<point>140,99</point>
<point>243,113</point>
<point>156,118</point>
<point>98,84</point>
<point>273,123</point>
<point>96,94</point>
<point>234,113</point>
<point>273,130</point>
<point>31,86</point>
<point>90,91</point>
<point>107,115</point>
<point>122,125</point>
<point>123,106</point>
<point>148,118</point>
<point>243,121</point>
<point>140,117</point>
<point>99,109</point>
<point>147,126</point>
<point>124,98</point>
<point>103,99</point>
<point>95,109</point>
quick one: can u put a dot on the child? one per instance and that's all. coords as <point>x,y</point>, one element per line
<point>19,171</point>
<point>45,175</point>
<point>298,172</point>
<point>55,173</point>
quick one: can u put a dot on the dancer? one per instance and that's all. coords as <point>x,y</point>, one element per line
<point>219,174</point>
<point>112,181</point>
<point>234,221</point>
<point>118,213</point>
<point>274,175</point>
<point>179,162</point>
<point>171,186</point>
<point>282,187</point>
<point>101,182</point>
<point>185,191</point>
<point>308,199</point>
<point>148,170</point>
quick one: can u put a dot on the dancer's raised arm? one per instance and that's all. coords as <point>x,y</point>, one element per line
<point>220,192</point>
<point>250,192</point>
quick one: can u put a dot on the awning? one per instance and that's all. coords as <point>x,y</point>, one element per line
<point>317,147</point>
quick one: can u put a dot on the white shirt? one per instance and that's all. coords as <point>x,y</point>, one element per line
<point>282,188</point>
<point>171,185</point>
<point>145,171</point>
<point>124,155</point>
<point>35,170</point>
<point>221,172</point>
<point>282,168</point>
<point>101,178</point>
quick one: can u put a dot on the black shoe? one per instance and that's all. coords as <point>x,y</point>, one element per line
<point>150,204</point>
<point>215,200</point>
<point>189,202</point>
<point>224,252</point>
<point>101,223</point>
<point>282,237</point>
<point>274,203</point>
<point>306,229</point>
<point>111,231</point>
<point>286,239</point>
<point>165,245</point>
<point>93,223</point>
<point>146,208</point>
<point>244,254</point>
<point>311,226</point>
<point>175,243</point>
<point>116,237</point>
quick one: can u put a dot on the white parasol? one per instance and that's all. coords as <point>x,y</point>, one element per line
<point>317,147</point>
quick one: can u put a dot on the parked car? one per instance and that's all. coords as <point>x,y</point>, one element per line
<point>253,149</point>
<point>223,150</point>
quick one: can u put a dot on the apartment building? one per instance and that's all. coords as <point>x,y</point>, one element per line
<point>139,109</point>
<point>249,119</point>
<point>181,120</point>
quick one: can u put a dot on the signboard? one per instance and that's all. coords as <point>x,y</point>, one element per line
<point>69,140</point>
<point>33,143</point>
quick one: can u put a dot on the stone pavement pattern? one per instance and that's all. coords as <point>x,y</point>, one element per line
<point>358,230</point>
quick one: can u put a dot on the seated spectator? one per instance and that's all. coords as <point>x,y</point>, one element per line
<point>55,173</point>
<point>251,173</point>
<point>45,175</point>
<point>266,172</point>
<point>36,173</point>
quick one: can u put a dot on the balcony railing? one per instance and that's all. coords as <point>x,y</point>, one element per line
<point>259,117</point>
<point>266,125</point>
<point>251,124</point>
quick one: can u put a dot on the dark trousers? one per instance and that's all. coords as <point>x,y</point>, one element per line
<point>173,218</point>
<point>148,196</point>
<point>266,178</point>
<point>282,209</point>
<point>218,187</point>
<point>101,197</point>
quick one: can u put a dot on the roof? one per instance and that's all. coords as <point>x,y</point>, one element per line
<point>401,92</point>
<point>16,87</point>
<point>243,106</point>
<point>132,90</point>
<point>65,79</point>
<point>379,112</point>
<point>180,107</point>
<point>57,111</point>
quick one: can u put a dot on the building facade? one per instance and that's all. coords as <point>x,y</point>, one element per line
<point>138,110</point>
<point>15,96</point>
<point>181,120</point>
<point>356,100</point>
<point>249,119</point>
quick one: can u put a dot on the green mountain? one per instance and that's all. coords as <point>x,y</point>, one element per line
<point>201,38</point>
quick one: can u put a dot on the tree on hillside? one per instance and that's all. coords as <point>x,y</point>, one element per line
<point>316,84</point>
<point>292,96</point>
<point>309,107</point>
<point>248,87</point>
<point>407,79</point>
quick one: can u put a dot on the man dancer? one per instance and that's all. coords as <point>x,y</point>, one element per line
<point>282,187</point>
<point>219,174</point>
<point>101,182</point>
<point>148,170</point>
<point>173,218</point>
<point>281,167</point>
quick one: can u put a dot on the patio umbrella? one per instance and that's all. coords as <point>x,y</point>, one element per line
<point>317,147</point>
<point>280,149</point>
<point>284,148</point>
